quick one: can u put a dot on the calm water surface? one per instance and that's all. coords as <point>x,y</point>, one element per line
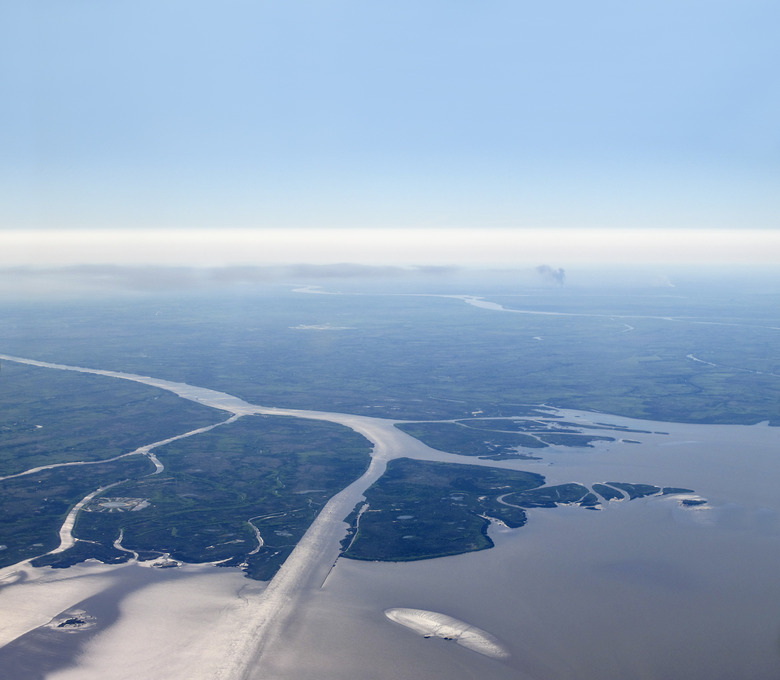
<point>642,589</point>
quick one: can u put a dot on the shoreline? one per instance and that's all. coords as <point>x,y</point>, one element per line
<point>246,622</point>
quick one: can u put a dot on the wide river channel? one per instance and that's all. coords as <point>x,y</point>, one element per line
<point>641,589</point>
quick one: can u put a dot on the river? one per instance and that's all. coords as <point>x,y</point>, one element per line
<point>645,588</point>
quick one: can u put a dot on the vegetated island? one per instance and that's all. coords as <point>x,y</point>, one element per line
<point>500,438</point>
<point>244,494</point>
<point>241,495</point>
<point>423,509</point>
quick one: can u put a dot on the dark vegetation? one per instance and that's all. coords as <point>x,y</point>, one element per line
<point>464,441</point>
<point>549,496</point>
<point>636,490</point>
<point>406,358</point>
<point>80,552</point>
<point>497,439</point>
<point>418,510</point>
<point>418,358</point>
<point>607,492</point>
<point>276,471</point>
<point>34,507</point>
<point>49,416</point>
<point>547,431</point>
<point>534,422</point>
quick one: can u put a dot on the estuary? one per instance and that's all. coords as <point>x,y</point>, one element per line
<point>621,573</point>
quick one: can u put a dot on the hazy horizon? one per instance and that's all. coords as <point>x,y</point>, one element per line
<point>402,247</point>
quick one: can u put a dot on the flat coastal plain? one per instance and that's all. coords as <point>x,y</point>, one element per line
<point>642,588</point>
<point>668,586</point>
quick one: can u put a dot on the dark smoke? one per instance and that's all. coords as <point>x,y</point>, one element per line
<point>557,275</point>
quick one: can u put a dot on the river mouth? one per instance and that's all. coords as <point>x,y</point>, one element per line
<point>645,588</point>
<point>635,581</point>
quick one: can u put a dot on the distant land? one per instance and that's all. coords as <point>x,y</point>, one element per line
<point>310,438</point>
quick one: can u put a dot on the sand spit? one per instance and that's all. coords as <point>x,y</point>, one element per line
<point>434,624</point>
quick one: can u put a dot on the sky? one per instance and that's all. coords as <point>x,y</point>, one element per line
<point>342,130</point>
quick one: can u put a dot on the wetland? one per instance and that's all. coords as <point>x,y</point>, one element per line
<point>495,458</point>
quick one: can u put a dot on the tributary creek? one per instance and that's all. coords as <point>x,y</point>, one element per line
<point>645,588</point>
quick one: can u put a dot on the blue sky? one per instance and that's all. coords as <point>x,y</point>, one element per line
<point>383,115</point>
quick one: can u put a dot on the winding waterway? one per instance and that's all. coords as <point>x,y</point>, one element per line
<point>646,588</point>
<point>310,562</point>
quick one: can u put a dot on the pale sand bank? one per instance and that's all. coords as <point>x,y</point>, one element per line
<point>434,624</point>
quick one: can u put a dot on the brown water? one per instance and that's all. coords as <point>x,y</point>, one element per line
<point>642,589</point>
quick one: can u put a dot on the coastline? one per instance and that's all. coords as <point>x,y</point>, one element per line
<point>200,622</point>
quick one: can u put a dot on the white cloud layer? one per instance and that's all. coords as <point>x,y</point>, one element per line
<point>472,247</point>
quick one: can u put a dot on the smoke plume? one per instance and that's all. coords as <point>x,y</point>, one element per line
<point>557,275</point>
